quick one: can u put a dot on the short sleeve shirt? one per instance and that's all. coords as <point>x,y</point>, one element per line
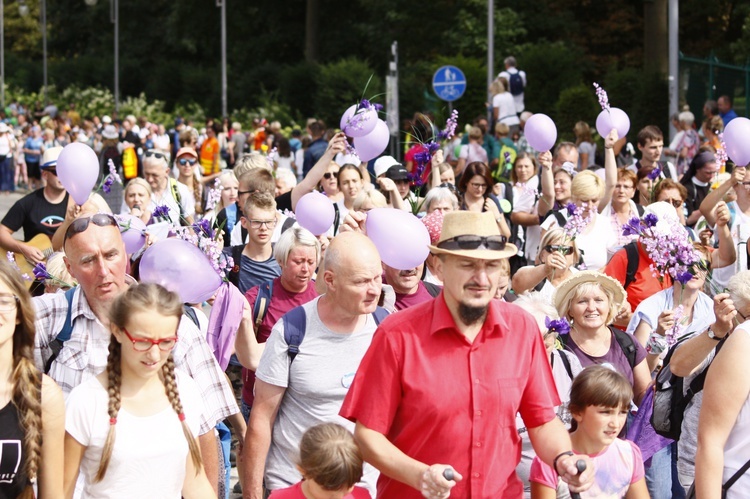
<point>614,357</point>
<point>645,284</point>
<point>36,215</point>
<point>441,399</point>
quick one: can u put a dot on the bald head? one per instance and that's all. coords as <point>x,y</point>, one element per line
<point>349,250</point>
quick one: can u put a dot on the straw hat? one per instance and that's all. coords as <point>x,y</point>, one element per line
<point>49,158</point>
<point>605,281</point>
<point>456,237</point>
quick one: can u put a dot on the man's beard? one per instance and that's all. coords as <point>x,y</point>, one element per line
<point>471,315</point>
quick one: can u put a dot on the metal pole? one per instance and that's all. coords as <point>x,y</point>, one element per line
<point>391,102</point>
<point>224,58</point>
<point>490,57</point>
<point>2,54</point>
<point>44,47</point>
<point>115,18</point>
<point>674,53</point>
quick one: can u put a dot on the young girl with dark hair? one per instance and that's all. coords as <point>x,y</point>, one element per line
<point>32,410</point>
<point>131,431</point>
<point>599,402</point>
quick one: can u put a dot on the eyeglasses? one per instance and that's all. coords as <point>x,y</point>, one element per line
<point>702,266</point>
<point>157,154</point>
<point>329,175</point>
<point>145,344</point>
<point>476,185</point>
<point>677,203</point>
<point>8,303</point>
<point>257,224</point>
<point>81,224</point>
<point>185,161</point>
<point>565,250</point>
<point>469,242</point>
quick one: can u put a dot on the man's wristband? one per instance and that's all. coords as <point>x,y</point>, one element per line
<point>554,461</point>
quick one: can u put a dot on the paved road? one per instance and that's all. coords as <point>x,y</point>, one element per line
<point>6,201</point>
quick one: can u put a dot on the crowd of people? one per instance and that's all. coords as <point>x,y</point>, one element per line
<point>522,357</point>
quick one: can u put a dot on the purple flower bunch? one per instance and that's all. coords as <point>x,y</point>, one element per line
<point>576,222</point>
<point>559,326</point>
<point>214,195</point>
<point>667,244</point>
<point>357,121</point>
<point>161,213</point>
<point>203,227</point>
<point>674,333</point>
<point>601,94</point>
<point>721,152</point>
<point>421,160</point>
<point>12,260</point>
<point>449,131</point>
<point>366,104</point>
<point>654,174</point>
<point>110,179</point>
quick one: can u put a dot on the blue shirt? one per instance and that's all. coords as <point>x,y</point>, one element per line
<point>728,116</point>
<point>313,153</point>
<point>35,144</point>
<point>254,273</point>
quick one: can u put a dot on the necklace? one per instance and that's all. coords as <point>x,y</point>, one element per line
<point>589,353</point>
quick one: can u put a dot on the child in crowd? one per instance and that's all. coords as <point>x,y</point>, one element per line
<point>331,465</point>
<point>131,431</point>
<point>599,402</point>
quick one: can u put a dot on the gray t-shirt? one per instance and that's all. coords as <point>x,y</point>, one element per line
<point>316,384</point>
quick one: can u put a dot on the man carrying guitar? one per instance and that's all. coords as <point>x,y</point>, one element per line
<point>39,212</point>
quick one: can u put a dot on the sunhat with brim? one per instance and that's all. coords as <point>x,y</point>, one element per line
<point>585,276</point>
<point>110,132</point>
<point>49,158</point>
<point>472,235</point>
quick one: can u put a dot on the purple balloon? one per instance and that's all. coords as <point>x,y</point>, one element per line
<point>133,232</point>
<point>180,267</point>
<point>614,118</point>
<point>540,132</point>
<point>358,124</point>
<point>736,135</point>
<point>399,236</point>
<point>374,143</point>
<point>78,169</point>
<point>315,213</point>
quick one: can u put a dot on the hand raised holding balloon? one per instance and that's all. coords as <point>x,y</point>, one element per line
<point>545,159</point>
<point>611,138</point>
<point>738,175</point>
<point>337,144</point>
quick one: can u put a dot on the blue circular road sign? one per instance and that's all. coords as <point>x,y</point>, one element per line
<point>449,83</point>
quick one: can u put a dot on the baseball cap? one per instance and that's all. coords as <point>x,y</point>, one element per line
<point>397,172</point>
<point>186,151</point>
<point>383,163</point>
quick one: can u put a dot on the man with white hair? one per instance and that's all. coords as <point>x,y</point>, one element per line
<point>286,180</point>
<point>166,191</point>
<point>516,81</point>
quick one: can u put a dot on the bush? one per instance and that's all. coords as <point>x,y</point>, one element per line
<point>343,84</point>
<point>575,104</point>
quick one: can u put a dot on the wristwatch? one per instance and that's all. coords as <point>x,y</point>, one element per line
<point>713,336</point>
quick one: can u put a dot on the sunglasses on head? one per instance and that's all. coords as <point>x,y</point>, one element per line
<point>186,161</point>
<point>157,154</point>
<point>471,242</point>
<point>81,224</point>
<point>565,250</point>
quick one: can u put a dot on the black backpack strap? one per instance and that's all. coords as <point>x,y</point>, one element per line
<point>627,344</point>
<point>64,334</point>
<point>697,384</point>
<point>262,301</point>
<point>295,323</point>
<point>433,289</point>
<point>379,315</point>
<point>566,363</point>
<point>190,312</point>
<point>561,220</point>
<point>631,251</point>
<point>233,275</point>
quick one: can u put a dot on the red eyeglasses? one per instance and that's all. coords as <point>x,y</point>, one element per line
<point>145,344</point>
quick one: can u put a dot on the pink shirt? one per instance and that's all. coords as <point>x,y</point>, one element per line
<point>617,467</point>
<point>295,492</point>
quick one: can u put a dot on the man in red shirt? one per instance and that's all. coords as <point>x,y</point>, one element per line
<point>443,381</point>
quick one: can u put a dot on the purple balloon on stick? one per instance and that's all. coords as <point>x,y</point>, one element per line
<point>540,132</point>
<point>736,135</point>
<point>360,123</point>
<point>132,230</point>
<point>78,169</point>
<point>614,118</point>
<point>399,236</point>
<point>181,267</point>
<point>374,143</point>
<point>314,212</point>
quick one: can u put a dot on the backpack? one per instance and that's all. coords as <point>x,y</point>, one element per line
<point>670,399</point>
<point>631,251</point>
<point>516,83</point>
<point>262,301</point>
<point>625,340</point>
<point>56,345</point>
<point>433,289</point>
<point>295,325</point>
<point>129,163</point>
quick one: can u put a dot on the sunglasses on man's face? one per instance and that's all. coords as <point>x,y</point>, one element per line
<point>470,242</point>
<point>565,250</point>
<point>81,224</point>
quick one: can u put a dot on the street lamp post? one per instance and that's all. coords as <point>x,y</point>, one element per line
<point>2,53</point>
<point>44,48</point>
<point>223,5</point>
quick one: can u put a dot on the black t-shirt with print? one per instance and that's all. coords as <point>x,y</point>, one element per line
<point>36,215</point>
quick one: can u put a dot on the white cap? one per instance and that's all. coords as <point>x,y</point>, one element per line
<point>383,163</point>
<point>106,120</point>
